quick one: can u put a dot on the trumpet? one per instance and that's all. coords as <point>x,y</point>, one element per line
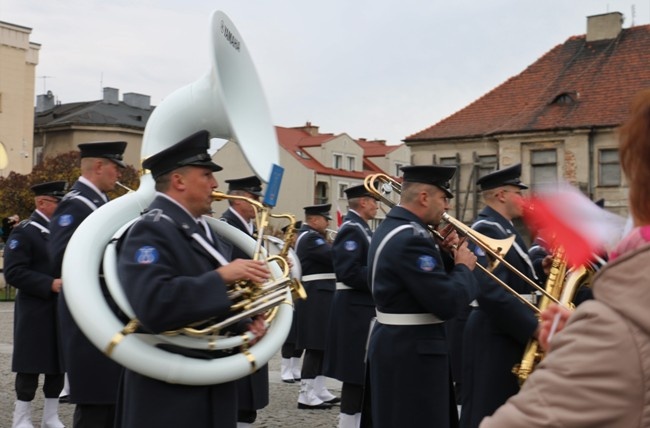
<point>330,234</point>
<point>495,249</point>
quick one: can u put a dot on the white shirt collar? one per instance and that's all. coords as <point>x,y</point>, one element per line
<point>88,183</point>
<point>42,215</point>
<point>169,198</point>
<point>248,225</point>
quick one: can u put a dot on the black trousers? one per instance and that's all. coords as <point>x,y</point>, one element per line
<point>26,384</point>
<point>351,398</point>
<point>312,364</point>
<point>289,351</point>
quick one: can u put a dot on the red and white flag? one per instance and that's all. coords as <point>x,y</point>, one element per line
<point>563,216</point>
<point>339,216</point>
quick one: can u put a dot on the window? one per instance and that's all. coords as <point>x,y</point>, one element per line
<point>565,98</point>
<point>448,161</point>
<point>398,169</point>
<point>544,166</point>
<point>338,162</point>
<point>342,187</point>
<point>302,154</point>
<point>320,196</point>
<point>486,165</point>
<point>351,163</point>
<point>38,155</point>
<point>609,168</point>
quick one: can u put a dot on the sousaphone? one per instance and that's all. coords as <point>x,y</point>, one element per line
<point>228,101</point>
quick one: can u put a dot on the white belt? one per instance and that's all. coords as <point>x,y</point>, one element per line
<point>341,286</point>
<point>318,276</point>
<point>407,319</point>
<point>532,298</point>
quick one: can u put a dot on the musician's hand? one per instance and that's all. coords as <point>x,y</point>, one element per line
<point>258,328</point>
<point>451,239</point>
<point>547,319</point>
<point>242,269</point>
<point>462,255</point>
<point>56,285</point>
<point>546,264</point>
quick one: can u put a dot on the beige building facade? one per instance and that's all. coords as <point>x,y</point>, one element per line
<point>317,169</point>
<point>18,61</point>
<point>558,118</point>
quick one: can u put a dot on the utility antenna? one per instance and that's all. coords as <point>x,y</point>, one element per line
<point>45,82</point>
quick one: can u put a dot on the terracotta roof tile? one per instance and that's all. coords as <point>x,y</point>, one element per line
<point>597,81</point>
<point>293,140</point>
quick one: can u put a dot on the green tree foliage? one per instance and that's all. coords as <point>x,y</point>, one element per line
<point>17,198</point>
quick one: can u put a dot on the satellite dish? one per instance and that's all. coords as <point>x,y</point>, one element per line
<point>4,160</point>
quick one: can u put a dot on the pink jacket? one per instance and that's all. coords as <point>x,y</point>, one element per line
<point>598,371</point>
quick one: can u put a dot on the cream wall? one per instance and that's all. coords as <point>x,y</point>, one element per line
<point>577,160</point>
<point>345,146</point>
<point>18,60</point>
<point>388,163</point>
<point>67,140</point>
<point>296,190</point>
<point>341,144</point>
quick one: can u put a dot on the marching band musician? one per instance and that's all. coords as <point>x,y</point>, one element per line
<point>252,390</point>
<point>175,272</point>
<point>291,355</point>
<point>499,326</point>
<point>36,350</point>
<point>596,371</point>
<point>416,288</point>
<point>315,255</point>
<point>352,306</point>
<point>92,375</point>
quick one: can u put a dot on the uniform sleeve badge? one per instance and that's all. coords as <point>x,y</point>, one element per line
<point>426,263</point>
<point>479,251</point>
<point>65,220</point>
<point>320,241</point>
<point>146,255</point>
<point>13,244</point>
<point>350,246</point>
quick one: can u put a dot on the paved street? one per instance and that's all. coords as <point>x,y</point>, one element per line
<point>281,412</point>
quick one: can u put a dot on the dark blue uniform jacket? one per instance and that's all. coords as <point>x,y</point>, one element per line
<point>315,255</point>
<point>498,330</point>
<point>170,281</point>
<point>410,375</point>
<point>27,267</point>
<point>352,309</point>
<point>93,376</point>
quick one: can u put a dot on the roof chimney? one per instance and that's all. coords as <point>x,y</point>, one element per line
<point>137,100</point>
<point>310,129</point>
<point>604,27</point>
<point>44,102</point>
<point>111,96</point>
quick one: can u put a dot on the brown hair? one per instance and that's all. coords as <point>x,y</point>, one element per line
<point>635,155</point>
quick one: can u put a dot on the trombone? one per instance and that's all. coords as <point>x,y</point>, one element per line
<point>381,185</point>
<point>330,234</point>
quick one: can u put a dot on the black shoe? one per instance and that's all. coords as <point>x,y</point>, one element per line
<point>288,381</point>
<point>297,379</point>
<point>64,399</point>
<point>315,407</point>
<point>334,400</point>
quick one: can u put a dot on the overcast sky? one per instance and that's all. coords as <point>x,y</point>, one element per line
<point>369,68</point>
